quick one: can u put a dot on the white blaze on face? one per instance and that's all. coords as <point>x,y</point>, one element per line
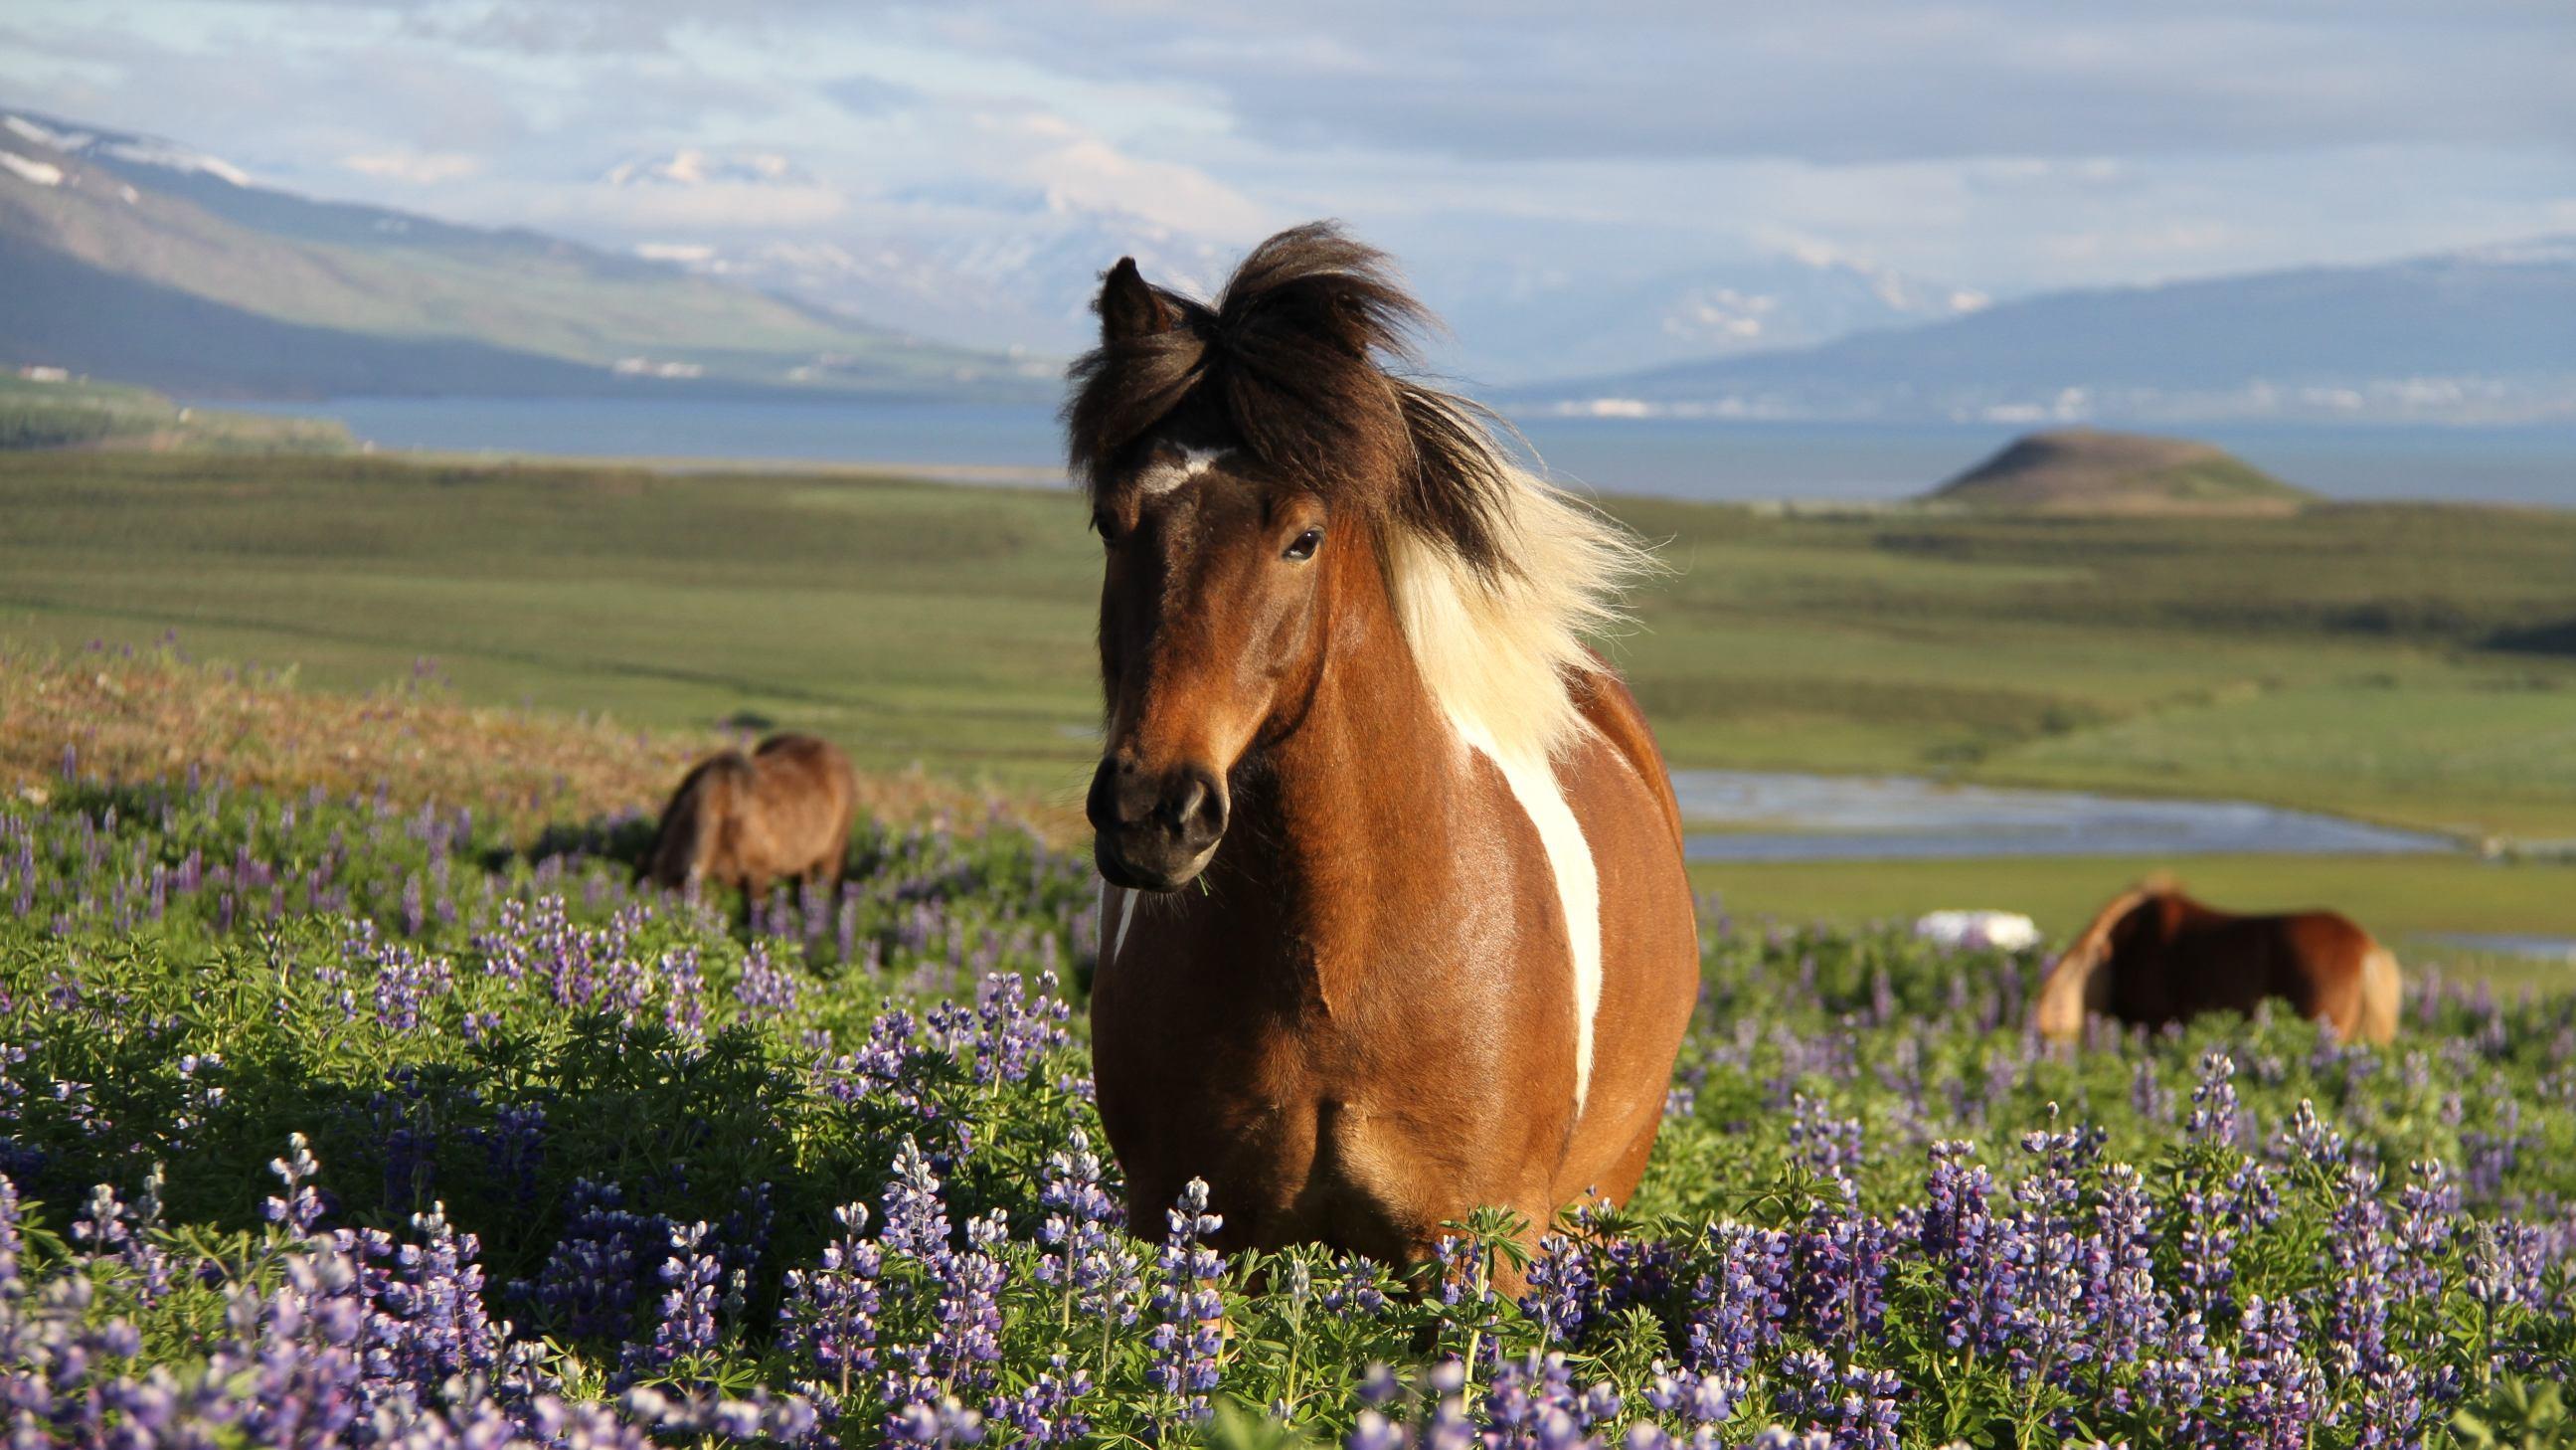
<point>1158,478</point>
<point>1578,882</point>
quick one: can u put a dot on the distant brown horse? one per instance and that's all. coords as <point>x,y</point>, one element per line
<point>747,821</point>
<point>2155,956</point>
<point>1437,949</point>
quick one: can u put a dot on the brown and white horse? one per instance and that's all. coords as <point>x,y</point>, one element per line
<point>1395,923</point>
<point>746,821</point>
<point>2154,956</point>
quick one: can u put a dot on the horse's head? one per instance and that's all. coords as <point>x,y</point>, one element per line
<point>1212,610</point>
<point>1261,478</point>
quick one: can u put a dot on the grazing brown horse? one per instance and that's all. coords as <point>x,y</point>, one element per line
<point>748,820</point>
<point>2155,956</point>
<point>1395,923</point>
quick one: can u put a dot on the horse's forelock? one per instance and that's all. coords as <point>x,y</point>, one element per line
<point>1291,365</point>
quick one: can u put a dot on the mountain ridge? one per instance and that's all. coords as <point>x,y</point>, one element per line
<point>174,270</point>
<point>2478,335</point>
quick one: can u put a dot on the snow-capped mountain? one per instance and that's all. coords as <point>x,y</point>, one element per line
<point>1025,283</point>
<point>118,146</point>
<point>690,166</point>
<point>1524,322</point>
<point>2475,336</point>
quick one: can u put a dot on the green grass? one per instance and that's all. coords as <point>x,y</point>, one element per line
<point>2347,659</point>
<point>77,412</point>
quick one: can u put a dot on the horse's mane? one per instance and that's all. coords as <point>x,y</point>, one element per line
<point>1496,575</point>
<point>2077,984</point>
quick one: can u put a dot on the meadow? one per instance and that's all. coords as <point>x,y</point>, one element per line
<point>80,412</point>
<point>343,1104</point>
<point>2407,664</point>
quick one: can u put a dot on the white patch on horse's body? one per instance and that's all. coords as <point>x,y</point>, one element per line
<point>1126,914</point>
<point>1578,881</point>
<point>1164,477</point>
<point>1496,649</point>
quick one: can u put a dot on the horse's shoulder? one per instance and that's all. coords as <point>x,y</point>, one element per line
<point>1612,712</point>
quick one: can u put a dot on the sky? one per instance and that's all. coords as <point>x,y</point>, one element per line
<point>2008,147</point>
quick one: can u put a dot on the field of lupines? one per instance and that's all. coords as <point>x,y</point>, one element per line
<point>345,1119</point>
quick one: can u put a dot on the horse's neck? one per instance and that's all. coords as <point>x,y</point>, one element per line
<point>1352,832</point>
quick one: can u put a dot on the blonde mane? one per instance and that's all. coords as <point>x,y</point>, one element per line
<point>1498,648</point>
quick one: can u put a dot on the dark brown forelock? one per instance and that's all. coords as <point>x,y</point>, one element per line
<point>1292,365</point>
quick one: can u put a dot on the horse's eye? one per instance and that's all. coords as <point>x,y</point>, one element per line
<point>1107,528</point>
<point>1305,545</point>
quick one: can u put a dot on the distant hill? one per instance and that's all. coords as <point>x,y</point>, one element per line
<point>2477,336</point>
<point>134,258</point>
<point>2090,470</point>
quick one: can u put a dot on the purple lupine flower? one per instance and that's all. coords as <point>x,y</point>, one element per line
<point>2357,1246</point>
<point>829,1316</point>
<point>1738,1306</point>
<point>684,1009</point>
<point>1045,1410</point>
<point>1184,1343</point>
<point>2427,1208</point>
<point>1703,1401</point>
<point>1829,1145</point>
<point>1854,1407</point>
<point>942,1422</point>
<point>688,1324</point>
<point>764,989</point>
<point>2213,1101</point>
<point>1005,1033</point>
<point>589,1282</point>
<point>1960,1234</point>
<point>1840,1264</point>
<point>1561,1289</point>
<point>2047,1256</point>
<point>2125,1311</point>
<point>1088,1258</point>
<point>429,1322</point>
<point>514,1149</point>
<point>301,1206</point>
<point>916,1218</point>
<point>2280,1393</point>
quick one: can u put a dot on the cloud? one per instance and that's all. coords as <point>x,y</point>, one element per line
<point>1859,81</point>
<point>2002,145</point>
<point>1074,168</point>
<point>704,208</point>
<point>869,96</point>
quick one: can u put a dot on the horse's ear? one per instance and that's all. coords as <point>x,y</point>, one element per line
<point>1129,307</point>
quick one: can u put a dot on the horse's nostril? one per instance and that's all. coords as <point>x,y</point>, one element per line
<point>1183,803</point>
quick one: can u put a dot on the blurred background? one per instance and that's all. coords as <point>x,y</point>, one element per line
<point>2090,438</point>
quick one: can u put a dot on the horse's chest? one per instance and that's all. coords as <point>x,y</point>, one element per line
<point>1304,1129</point>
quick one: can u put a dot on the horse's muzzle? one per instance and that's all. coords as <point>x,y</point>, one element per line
<point>1155,829</point>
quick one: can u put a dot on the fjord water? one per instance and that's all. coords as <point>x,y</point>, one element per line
<point>1785,816</point>
<point>1703,459</point>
